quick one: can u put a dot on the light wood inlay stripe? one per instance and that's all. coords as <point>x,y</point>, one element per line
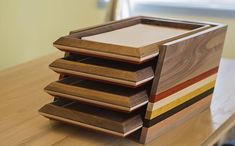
<point>149,123</point>
<point>180,100</point>
<point>183,85</point>
<point>175,96</point>
<point>158,129</point>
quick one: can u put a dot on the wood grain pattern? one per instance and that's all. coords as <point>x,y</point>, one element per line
<point>188,57</point>
<point>171,122</point>
<point>107,96</point>
<point>74,43</point>
<point>182,60</point>
<point>21,125</point>
<point>94,118</point>
<point>104,70</point>
<point>183,55</point>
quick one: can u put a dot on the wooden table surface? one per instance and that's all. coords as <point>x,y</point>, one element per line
<point>21,91</point>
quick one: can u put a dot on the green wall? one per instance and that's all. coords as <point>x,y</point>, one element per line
<point>29,27</point>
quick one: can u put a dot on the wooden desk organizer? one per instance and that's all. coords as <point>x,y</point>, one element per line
<point>139,74</point>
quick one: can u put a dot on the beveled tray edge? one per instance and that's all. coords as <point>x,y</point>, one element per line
<point>99,103</point>
<point>89,126</point>
<point>103,78</point>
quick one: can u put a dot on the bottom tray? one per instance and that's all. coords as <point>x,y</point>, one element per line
<point>107,121</point>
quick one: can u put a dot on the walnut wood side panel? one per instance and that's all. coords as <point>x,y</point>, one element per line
<point>185,74</point>
<point>188,57</point>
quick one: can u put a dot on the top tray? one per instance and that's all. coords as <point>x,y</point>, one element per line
<point>131,40</point>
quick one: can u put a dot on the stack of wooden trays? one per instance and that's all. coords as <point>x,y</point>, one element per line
<point>138,73</point>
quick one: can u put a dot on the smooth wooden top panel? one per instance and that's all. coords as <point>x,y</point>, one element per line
<point>21,89</point>
<point>137,35</point>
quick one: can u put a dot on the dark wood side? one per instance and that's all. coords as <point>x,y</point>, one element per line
<point>179,61</point>
<point>188,57</point>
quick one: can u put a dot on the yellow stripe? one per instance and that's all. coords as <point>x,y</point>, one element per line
<point>152,114</point>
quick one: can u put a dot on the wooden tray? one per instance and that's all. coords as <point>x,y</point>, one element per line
<point>93,118</point>
<point>99,94</point>
<point>185,58</point>
<point>104,70</point>
<point>132,40</point>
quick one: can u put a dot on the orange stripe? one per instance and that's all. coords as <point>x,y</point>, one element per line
<point>183,85</point>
